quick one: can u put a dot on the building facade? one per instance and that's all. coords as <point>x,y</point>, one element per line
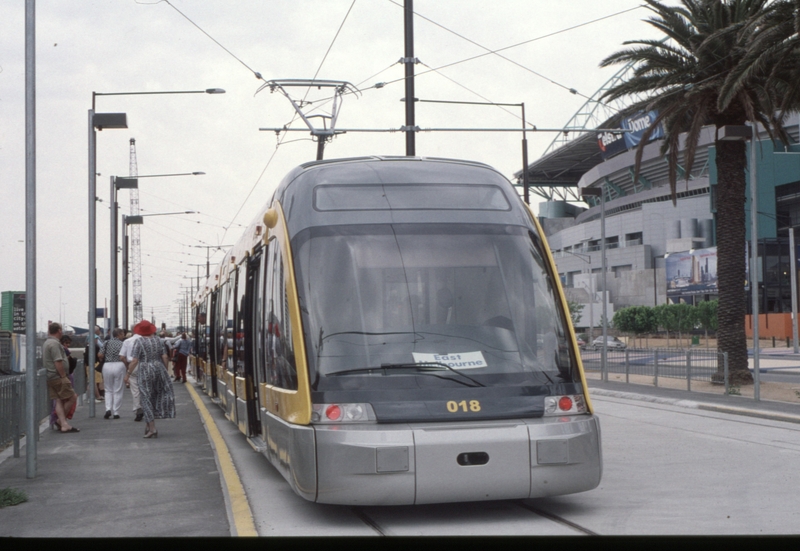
<point>643,226</point>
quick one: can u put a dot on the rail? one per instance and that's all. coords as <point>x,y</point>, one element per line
<point>13,404</point>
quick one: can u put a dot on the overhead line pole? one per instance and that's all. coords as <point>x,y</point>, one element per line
<point>409,60</point>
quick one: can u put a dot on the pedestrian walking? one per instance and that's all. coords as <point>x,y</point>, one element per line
<point>183,348</point>
<point>59,388</point>
<point>113,373</point>
<point>155,389</point>
<point>66,342</point>
<point>99,390</point>
<point>126,355</point>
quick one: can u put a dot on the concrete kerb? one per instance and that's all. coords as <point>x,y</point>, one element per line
<point>693,404</point>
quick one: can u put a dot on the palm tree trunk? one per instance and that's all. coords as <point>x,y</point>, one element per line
<point>731,162</point>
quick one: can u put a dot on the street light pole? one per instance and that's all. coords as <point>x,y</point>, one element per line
<point>793,274</point>
<point>754,260</point>
<point>96,121</point>
<point>31,424</point>
<point>118,183</point>
<point>128,221</point>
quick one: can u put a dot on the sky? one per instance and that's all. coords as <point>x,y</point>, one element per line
<point>111,46</point>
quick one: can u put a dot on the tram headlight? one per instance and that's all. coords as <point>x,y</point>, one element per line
<point>564,405</point>
<point>342,413</point>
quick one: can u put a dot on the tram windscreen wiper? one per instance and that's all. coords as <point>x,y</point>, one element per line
<point>423,367</point>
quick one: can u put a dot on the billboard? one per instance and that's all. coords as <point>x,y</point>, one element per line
<point>611,144</point>
<point>12,311</point>
<point>692,272</point>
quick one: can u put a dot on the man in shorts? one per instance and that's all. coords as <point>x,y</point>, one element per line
<point>58,386</point>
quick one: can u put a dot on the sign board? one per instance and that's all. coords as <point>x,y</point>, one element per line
<point>611,144</point>
<point>692,272</point>
<point>18,314</point>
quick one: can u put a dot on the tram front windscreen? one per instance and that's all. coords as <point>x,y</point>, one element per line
<point>421,306</point>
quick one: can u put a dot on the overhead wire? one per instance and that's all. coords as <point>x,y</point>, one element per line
<point>256,73</point>
<point>496,52</point>
<point>280,140</point>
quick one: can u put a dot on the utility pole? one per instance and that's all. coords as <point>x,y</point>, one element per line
<point>409,60</point>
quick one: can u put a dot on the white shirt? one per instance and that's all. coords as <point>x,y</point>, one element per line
<point>127,347</point>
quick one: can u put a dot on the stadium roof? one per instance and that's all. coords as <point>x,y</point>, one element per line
<point>565,166</point>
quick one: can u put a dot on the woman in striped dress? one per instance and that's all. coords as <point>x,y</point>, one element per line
<point>155,389</point>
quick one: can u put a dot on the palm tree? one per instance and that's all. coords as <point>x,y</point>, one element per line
<point>682,77</point>
<point>774,54</point>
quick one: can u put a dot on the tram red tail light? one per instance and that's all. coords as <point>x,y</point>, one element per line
<point>564,405</point>
<point>342,413</point>
<point>333,412</point>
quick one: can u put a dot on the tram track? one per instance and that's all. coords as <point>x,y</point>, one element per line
<point>366,519</point>
<point>362,515</point>
<point>557,519</point>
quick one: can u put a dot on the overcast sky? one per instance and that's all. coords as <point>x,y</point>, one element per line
<point>130,46</point>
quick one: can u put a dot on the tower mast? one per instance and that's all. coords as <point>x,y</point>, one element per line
<point>136,247</point>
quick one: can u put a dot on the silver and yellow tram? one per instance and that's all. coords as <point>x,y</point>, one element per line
<point>392,331</point>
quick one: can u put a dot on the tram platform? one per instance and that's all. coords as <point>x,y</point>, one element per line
<point>108,481</point>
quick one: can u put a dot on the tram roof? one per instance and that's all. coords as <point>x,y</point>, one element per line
<point>296,193</point>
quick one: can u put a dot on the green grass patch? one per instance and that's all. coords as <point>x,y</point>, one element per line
<point>10,496</point>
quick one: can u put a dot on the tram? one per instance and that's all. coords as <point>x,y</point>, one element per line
<point>392,330</point>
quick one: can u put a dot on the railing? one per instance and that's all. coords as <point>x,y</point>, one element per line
<point>13,407</point>
<point>664,363</point>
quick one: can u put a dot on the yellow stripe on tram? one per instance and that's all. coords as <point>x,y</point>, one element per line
<point>240,507</point>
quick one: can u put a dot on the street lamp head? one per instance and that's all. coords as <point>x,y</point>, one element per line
<point>198,173</point>
<point>215,91</point>
<point>109,120</point>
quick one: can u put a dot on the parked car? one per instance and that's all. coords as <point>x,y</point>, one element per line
<point>613,343</point>
<point>581,343</point>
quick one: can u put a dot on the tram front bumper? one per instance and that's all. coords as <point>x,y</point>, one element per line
<point>404,464</point>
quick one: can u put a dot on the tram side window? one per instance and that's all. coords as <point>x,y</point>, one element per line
<point>239,333</point>
<point>221,347</point>
<point>200,329</point>
<point>280,358</point>
<point>230,314</point>
<point>259,335</point>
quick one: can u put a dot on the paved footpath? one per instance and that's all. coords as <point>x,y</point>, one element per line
<point>108,481</point>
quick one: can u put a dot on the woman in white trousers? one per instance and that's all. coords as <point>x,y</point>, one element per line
<point>113,373</point>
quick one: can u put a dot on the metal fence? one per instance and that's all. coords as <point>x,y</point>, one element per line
<point>13,407</point>
<point>667,363</point>
<point>5,353</point>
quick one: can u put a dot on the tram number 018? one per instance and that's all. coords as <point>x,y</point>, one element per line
<point>463,405</point>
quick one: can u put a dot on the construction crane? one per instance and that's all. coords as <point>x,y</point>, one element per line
<point>136,246</point>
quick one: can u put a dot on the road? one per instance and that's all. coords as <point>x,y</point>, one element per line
<point>668,470</point>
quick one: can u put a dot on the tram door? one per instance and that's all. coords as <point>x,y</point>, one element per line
<point>211,366</point>
<point>251,313</point>
<point>239,347</point>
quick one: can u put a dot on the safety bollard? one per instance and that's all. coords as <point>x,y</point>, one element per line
<point>725,370</point>
<point>655,370</point>
<point>627,367</point>
<point>689,370</point>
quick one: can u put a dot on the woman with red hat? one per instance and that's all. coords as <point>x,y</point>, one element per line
<point>155,389</point>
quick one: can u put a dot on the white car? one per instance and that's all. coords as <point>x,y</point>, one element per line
<point>613,343</point>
